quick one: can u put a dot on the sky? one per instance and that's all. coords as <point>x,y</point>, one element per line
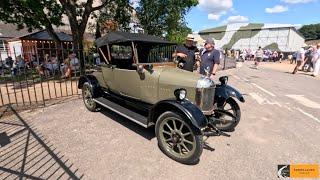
<point>213,13</point>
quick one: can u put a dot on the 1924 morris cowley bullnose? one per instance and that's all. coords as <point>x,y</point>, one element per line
<point>140,81</point>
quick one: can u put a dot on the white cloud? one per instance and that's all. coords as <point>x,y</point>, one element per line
<point>214,16</point>
<point>236,19</point>
<point>215,8</point>
<point>297,1</point>
<point>276,9</point>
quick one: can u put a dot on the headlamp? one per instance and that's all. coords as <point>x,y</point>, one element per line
<point>180,94</point>
<point>224,79</point>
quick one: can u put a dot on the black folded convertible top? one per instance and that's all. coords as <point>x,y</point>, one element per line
<point>122,37</point>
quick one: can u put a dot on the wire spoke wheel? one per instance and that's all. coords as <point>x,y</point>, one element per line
<point>87,97</point>
<point>177,137</point>
<point>230,119</point>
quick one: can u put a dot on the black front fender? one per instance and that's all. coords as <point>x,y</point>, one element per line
<point>223,92</point>
<point>95,87</point>
<point>193,114</point>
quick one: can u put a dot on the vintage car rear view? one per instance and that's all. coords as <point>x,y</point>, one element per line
<point>140,81</point>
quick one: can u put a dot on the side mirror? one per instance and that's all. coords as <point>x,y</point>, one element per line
<point>140,69</point>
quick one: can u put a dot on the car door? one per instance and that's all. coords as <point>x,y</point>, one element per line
<point>126,80</point>
<point>108,76</point>
<point>139,86</point>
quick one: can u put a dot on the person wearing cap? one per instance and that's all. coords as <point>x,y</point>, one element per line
<point>316,61</point>
<point>210,59</point>
<point>186,54</point>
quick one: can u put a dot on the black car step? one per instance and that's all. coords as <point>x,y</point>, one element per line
<point>125,112</point>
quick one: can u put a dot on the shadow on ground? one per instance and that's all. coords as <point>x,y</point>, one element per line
<point>145,133</point>
<point>26,154</point>
<point>148,133</point>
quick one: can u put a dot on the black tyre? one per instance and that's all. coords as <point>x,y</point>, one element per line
<point>232,107</point>
<point>177,139</point>
<point>88,98</point>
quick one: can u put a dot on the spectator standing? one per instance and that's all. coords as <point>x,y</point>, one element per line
<point>186,54</point>
<point>281,57</point>
<point>300,60</point>
<point>316,61</point>
<point>294,58</point>
<point>259,57</point>
<point>210,59</point>
<point>275,56</point>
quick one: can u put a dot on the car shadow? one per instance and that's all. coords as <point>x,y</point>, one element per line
<point>26,154</point>
<point>147,133</point>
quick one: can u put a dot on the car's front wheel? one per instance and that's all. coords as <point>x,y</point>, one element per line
<point>177,139</point>
<point>87,97</point>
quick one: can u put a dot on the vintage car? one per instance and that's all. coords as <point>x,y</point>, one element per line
<point>140,81</point>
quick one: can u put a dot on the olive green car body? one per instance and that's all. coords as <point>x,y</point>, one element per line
<point>150,86</point>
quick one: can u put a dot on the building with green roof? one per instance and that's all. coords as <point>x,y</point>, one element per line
<point>280,37</point>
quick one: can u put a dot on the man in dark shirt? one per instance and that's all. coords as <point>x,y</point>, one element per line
<point>186,54</point>
<point>210,59</point>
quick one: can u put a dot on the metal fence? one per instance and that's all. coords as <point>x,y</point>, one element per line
<point>31,84</point>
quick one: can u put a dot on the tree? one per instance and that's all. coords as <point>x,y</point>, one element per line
<point>165,17</point>
<point>78,15</point>
<point>179,34</point>
<point>118,13</point>
<point>36,14</point>
<point>311,31</point>
<point>33,14</point>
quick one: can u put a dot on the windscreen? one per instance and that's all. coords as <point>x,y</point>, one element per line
<point>155,53</point>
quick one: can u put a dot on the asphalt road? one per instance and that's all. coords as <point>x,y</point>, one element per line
<point>280,124</point>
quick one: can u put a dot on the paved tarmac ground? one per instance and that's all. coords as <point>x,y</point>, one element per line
<point>280,124</point>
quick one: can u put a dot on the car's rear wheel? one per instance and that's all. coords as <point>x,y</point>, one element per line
<point>90,104</point>
<point>177,139</point>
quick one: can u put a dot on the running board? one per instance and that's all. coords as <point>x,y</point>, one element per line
<point>125,112</point>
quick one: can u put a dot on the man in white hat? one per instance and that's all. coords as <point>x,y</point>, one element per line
<point>186,54</point>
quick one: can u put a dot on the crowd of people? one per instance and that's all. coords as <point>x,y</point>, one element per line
<point>250,55</point>
<point>45,66</point>
<point>307,58</point>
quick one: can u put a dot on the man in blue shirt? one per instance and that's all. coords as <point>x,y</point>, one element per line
<point>210,59</point>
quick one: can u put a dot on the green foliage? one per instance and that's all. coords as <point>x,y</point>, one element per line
<point>33,14</point>
<point>311,31</point>
<point>165,17</point>
<point>179,34</point>
<point>118,11</point>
